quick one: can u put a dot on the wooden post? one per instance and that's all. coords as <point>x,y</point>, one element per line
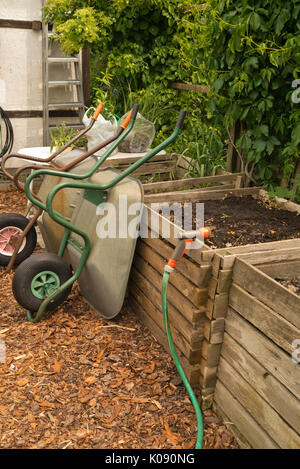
<point>86,76</point>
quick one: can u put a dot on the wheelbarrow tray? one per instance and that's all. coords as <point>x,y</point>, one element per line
<point>64,202</point>
<point>104,279</point>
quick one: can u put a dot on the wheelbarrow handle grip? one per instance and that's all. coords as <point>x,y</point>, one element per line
<point>97,111</point>
<point>181,119</point>
<point>131,116</point>
<point>126,121</point>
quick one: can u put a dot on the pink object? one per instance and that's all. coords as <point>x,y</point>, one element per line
<point>8,238</point>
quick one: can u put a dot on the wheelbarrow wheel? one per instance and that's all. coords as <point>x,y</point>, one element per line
<point>11,227</point>
<point>38,277</point>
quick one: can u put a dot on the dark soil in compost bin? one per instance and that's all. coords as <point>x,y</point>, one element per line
<point>237,221</point>
<point>291,284</point>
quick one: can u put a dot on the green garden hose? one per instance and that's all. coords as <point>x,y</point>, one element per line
<point>177,363</point>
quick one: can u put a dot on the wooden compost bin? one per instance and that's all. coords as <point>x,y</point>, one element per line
<point>198,290</point>
<point>233,343</point>
<point>161,167</point>
<point>258,383</point>
<point>164,174</point>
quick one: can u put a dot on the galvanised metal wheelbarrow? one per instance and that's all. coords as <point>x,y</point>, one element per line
<point>100,263</point>
<point>17,233</point>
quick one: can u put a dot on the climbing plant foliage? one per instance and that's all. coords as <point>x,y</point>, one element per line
<point>249,53</point>
<point>246,51</point>
<point>136,38</point>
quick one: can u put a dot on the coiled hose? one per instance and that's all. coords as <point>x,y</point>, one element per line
<point>187,385</point>
<point>9,134</point>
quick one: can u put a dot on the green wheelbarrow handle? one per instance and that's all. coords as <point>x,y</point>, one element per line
<point>56,216</point>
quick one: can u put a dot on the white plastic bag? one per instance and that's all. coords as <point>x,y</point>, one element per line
<point>140,138</point>
<point>102,130</point>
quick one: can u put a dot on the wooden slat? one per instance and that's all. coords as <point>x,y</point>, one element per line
<point>260,247</point>
<point>268,291</point>
<point>281,270</point>
<point>199,196</point>
<point>179,184</point>
<point>147,168</point>
<point>156,219</point>
<point>198,189</point>
<point>276,361</point>
<point>192,371</point>
<point>197,296</point>
<point>212,287</point>
<point>208,378</point>
<point>216,263</point>
<point>126,161</point>
<point>217,307</point>
<point>224,281</point>
<point>258,408</point>
<point>268,387</point>
<point>192,355</point>
<point>188,310</point>
<point>211,353</point>
<point>145,177</point>
<point>214,331</point>
<point>30,114</point>
<point>193,336</point>
<point>21,24</point>
<point>267,256</point>
<point>186,267</point>
<point>238,416</point>
<point>271,324</point>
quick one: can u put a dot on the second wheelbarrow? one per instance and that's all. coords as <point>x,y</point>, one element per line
<point>17,232</point>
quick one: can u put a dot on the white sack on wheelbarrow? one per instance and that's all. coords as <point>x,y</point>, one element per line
<point>102,130</point>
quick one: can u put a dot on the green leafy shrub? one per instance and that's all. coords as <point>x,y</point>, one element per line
<point>248,52</point>
<point>62,135</point>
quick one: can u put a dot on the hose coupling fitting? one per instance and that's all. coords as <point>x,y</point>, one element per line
<point>168,269</point>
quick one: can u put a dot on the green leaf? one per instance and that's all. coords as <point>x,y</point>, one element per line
<point>259,145</point>
<point>264,130</point>
<point>274,59</point>
<point>218,83</point>
<point>255,21</point>
<point>282,192</point>
<point>296,134</point>
<point>282,19</point>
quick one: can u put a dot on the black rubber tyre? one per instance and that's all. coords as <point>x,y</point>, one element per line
<point>30,269</point>
<point>18,221</point>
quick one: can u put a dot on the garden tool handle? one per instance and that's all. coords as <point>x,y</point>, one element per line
<point>54,172</point>
<point>56,153</point>
<point>87,185</point>
<point>181,118</point>
<point>70,165</point>
<point>97,111</point>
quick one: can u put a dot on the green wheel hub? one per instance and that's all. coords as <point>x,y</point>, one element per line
<point>44,284</point>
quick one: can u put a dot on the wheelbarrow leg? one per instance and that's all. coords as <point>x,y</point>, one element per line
<point>28,208</point>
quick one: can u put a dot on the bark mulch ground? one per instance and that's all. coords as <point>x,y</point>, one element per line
<point>75,380</point>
